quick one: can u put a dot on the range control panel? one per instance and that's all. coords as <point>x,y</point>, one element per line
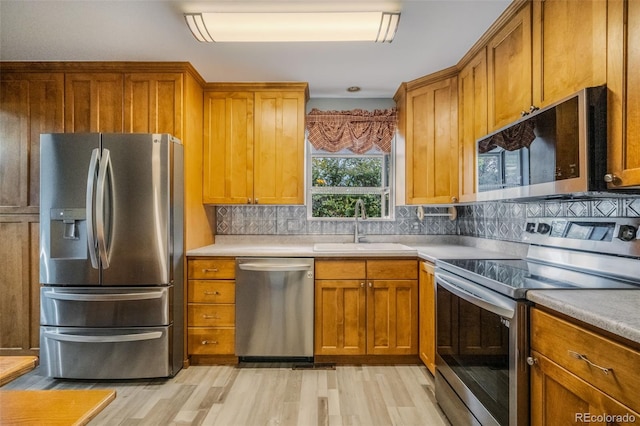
<point>620,236</point>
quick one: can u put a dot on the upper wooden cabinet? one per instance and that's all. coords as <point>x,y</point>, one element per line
<point>431,139</point>
<point>569,45</point>
<point>623,81</point>
<point>30,104</point>
<point>254,144</point>
<point>153,103</point>
<point>472,119</point>
<point>93,102</point>
<point>509,70</point>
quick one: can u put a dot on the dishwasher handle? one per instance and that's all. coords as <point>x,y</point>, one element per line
<point>274,267</point>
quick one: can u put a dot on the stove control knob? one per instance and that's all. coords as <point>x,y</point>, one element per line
<point>543,228</point>
<point>627,232</point>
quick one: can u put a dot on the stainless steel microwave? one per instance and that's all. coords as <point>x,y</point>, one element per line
<point>555,151</point>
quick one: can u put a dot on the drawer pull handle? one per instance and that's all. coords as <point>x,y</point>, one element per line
<point>210,270</point>
<point>210,317</point>
<point>211,293</point>
<point>584,358</point>
<point>209,342</point>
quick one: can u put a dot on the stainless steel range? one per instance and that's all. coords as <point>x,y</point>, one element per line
<point>482,311</point>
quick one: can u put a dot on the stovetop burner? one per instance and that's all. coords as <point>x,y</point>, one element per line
<point>603,255</point>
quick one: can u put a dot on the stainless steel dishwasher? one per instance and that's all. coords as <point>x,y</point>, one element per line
<point>274,307</point>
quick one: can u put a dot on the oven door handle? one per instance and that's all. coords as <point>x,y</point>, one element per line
<point>477,295</point>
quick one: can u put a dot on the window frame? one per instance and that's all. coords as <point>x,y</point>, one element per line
<point>388,187</point>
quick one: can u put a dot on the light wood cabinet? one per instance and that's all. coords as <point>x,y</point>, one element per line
<point>153,103</point>
<point>211,310</point>
<point>366,307</point>
<point>30,103</point>
<point>427,316</point>
<point>254,144</point>
<point>566,378</point>
<point>94,102</point>
<point>569,45</point>
<point>509,70</point>
<point>472,120</point>
<point>623,82</point>
<point>431,140</point>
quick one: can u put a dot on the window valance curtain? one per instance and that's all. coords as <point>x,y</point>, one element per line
<point>357,130</point>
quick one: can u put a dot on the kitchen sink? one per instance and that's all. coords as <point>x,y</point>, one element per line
<point>351,247</point>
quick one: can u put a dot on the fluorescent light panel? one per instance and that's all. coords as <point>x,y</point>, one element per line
<point>293,26</point>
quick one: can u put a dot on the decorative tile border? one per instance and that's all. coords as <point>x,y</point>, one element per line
<point>493,220</point>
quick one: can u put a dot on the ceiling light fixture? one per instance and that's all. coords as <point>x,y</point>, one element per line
<point>379,27</point>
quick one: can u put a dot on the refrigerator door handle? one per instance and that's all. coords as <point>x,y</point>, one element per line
<point>91,184</point>
<point>103,172</point>
<point>103,297</point>
<point>79,338</point>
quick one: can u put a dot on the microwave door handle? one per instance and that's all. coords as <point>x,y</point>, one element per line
<point>103,173</point>
<point>477,295</point>
<point>91,184</point>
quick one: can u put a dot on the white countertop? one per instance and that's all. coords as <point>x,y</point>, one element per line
<point>430,252</point>
<point>615,311</point>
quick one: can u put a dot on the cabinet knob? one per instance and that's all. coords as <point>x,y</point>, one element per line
<point>204,271</point>
<point>211,293</point>
<point>255,201</point>
<point>248,200</point>
<point>613,179</point>
<point>209,342</point>
<point>370,285</point>
<point>454,199</point>
<point>361,285</point>
<point>531,360</point>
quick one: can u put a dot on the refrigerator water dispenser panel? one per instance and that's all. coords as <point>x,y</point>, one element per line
<point>68,234</point>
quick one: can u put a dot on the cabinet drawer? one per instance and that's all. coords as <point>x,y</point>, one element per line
<point>211,315</point>
<point>211,341</point>
<point>564,343</point>
<point>340,269</point>
<point>392,269</point>
<point>212,269</point>
<point>211,291</point>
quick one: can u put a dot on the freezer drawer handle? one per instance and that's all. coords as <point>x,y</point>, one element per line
<point>273,267</point>
<point>103,339</point>
<point>103,297</point>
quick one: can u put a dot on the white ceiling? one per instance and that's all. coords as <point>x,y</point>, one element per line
<point>432,35</point>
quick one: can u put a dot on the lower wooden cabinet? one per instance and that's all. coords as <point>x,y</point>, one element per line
<point>427,316</point>
<point>366,307</point>
<point>211,309</point>
<point>568,382</point>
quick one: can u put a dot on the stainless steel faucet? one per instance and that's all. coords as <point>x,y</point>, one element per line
<point>363,215</point>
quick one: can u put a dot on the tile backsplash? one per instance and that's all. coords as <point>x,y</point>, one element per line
<point>493,220</point>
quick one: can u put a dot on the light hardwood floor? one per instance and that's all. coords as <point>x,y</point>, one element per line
<point>280,395</point>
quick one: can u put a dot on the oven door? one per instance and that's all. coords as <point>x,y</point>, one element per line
<point>481,370</point>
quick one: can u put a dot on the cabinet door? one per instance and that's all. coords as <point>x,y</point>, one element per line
<point>431,143</point>
<point>93,102</point>
<point>509,67</point>
<point>153,103</point>
<point>559,397</point>
<point>623,82</point>
<point>19,285</point>
<point>228,148</point>
<point>279,147</point>
<point>472,119</point>
<point>427,316</point>
<point>392,317</point>
<point>340,316</point>
<point>30,104</point>
<point>569,41</point>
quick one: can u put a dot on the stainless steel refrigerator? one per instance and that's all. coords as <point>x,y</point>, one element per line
<point>111,255</point>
